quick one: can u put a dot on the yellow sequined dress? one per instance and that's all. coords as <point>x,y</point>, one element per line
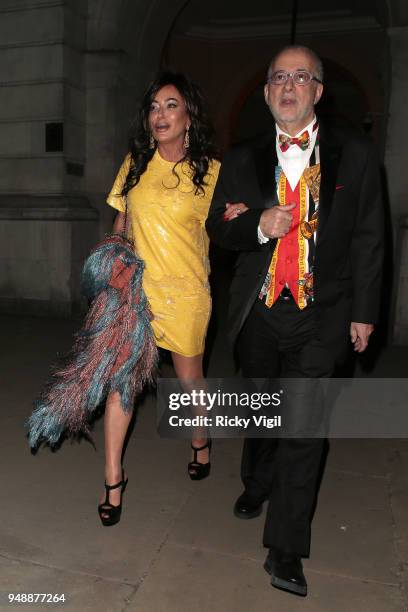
<point>168,225</point>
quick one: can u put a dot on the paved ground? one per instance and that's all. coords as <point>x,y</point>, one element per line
<point>178,547</point>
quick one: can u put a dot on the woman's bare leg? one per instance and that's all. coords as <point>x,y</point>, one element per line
<point>116,424</point>
<point>189,370</point>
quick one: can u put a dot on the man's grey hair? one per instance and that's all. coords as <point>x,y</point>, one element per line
<point>315,58</point>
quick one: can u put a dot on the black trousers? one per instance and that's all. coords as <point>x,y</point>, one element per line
<point>281,342</point>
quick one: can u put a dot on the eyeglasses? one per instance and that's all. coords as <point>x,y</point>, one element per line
<point>300,77</point>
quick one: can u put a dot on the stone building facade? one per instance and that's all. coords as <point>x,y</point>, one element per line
<point>72,73</point>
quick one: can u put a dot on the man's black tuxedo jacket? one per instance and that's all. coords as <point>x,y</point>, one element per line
<point>349,244</point>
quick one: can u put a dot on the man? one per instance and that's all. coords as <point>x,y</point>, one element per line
<point>303,207</point>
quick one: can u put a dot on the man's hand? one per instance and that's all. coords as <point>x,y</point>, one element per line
<point>232,211</point>
<point>360,334</point>
<point>275,222</point>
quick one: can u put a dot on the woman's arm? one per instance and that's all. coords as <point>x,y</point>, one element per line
<point>119,224</point>
<point>232,231</point>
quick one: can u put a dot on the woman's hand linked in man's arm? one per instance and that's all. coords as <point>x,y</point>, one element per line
<point>226,226</point>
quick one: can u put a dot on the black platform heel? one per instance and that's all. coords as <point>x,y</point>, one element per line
<point>197,470</point>
<point>108,513</point>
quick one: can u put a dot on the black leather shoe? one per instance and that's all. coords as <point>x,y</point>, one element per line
<point>287,573</point>
<point>246,507</point>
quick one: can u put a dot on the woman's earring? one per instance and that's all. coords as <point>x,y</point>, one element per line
<point>187,139</point>
<point>152,142</point>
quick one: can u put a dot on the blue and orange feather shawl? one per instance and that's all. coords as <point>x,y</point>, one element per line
<point>114,350</point>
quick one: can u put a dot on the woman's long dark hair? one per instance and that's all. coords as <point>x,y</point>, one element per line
<point>202,148</point>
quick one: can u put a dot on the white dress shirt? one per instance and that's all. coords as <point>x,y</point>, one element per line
<point>293,161</point>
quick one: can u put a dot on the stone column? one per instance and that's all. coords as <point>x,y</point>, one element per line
<point>396,162</point>
<point>401,317</point>
<point>46,222</point>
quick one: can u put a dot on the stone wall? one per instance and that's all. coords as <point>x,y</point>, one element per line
<point>47,224</point>
<point>82,64</point>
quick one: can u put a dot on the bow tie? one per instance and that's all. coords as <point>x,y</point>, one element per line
<point>301,141</point>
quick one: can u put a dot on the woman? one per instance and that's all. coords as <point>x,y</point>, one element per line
<point>167,178</point>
